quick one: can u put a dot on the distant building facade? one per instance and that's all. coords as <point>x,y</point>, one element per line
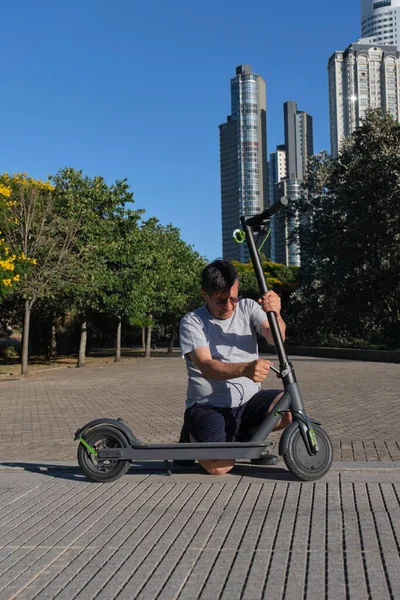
<point>362,76</point>
<point>277,173</point>
<point>287,168</point>
<point>380,22</point>
<point>243,158</point>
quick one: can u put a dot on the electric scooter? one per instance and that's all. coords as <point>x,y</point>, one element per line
<point>107,446</point>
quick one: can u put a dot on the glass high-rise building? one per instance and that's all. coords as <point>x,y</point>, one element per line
<point>243,158</point>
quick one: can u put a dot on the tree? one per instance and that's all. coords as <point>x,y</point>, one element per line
<point>93,207</point>
<point>36,235</point>
<point>183,283</point>
<point>169,275</point>
<point>280,278</point>
<point>349,237</point>
<point>122,298</point>
<point>11,268</point>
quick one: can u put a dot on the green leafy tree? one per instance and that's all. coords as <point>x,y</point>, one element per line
<point>92,206</point>
<point>349,236</point>
<point>183,283</point>
<point>122,295</point>
<point>169,275</point>
<point>280,278</point>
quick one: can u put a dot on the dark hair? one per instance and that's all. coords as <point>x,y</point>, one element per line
<point>217,276</point>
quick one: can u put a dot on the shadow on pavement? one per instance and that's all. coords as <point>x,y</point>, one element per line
<point>74,473</point>
<point>59,471</point>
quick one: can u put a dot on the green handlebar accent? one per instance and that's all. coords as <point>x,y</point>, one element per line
<point>91,450</point>
<point>264,240</point>
<point>239,236</point>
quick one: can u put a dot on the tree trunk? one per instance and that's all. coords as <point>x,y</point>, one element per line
<point>172,339</point>
<point>118,344</point>
<point>25,338</point>
<point>53,343</point>
<point>148,342</point>
<point>82,344</point>
<point>143,338</point>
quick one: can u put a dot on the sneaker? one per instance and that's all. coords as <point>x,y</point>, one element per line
<point>266,458</point>
<point>184,439</point>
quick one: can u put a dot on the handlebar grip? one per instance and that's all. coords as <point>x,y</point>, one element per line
<point>271,210</point>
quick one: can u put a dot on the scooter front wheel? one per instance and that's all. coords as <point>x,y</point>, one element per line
<point>102,470</point>
<point>300,463</point>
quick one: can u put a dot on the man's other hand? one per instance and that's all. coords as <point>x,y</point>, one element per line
<point>258,370</point>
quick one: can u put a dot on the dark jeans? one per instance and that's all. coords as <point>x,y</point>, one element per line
<point>214,424</point>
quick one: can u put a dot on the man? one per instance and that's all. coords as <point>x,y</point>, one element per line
<point>219,343</point>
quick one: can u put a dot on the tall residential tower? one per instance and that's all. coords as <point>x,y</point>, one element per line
<point>380,22</point>
<point>243,158</point>
<point>288,172</point>
<point>360,77</point>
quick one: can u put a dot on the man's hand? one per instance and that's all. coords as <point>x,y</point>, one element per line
<point>258,370</point>
<point>271,302</point>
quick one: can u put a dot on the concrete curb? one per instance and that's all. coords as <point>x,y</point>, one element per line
<point>387,356</point>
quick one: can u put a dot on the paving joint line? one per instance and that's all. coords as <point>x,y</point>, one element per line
<point>336,466</point>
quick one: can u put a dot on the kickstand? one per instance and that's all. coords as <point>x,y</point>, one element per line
<point>166,463</point>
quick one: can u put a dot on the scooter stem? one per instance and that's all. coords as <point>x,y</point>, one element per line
<point>262,284</point>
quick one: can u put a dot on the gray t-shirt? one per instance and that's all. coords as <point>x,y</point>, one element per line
<point>230,340</point>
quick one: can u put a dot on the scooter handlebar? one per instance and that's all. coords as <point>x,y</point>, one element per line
<point>267,213</point>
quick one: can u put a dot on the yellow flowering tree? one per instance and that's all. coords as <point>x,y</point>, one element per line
<point>36,246</point>
<point>280,278</point>
<point>11,264</point>
<point>9,267</point>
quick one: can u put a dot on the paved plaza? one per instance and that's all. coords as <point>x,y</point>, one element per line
<point>253,533</point>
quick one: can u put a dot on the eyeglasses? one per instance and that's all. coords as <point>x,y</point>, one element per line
<point>224,302</point>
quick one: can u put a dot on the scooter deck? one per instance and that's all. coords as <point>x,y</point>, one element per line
<point>192,451</point>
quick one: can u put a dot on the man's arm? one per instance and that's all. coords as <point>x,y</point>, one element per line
<point>267,333</point>
<point>257,370</point>
<point>271,302</point>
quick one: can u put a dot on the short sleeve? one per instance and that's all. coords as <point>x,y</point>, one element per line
<point>191,333</point>
<point>257,315</point>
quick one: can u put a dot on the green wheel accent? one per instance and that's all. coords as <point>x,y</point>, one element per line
<point>102,469</point>
<point>91,450</point>
<point>299,462</point>
<point>239,236</point>
<point>313,437</point>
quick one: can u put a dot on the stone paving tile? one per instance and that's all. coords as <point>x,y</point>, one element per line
<point>151,536</point>
<point>357,403</point>
<point>255,533</point>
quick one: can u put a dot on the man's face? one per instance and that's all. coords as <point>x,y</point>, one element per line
<point>222,304</point>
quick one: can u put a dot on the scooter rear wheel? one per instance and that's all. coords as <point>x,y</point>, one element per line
<point>102,470</point>
<point>300,463</point>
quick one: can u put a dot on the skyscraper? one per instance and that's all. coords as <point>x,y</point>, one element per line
<point>380,22</point>
<point>288,179</point>
<point>243,158</point>
<point>277,173</point>
<point>362,76</point>
<point>299,142</point>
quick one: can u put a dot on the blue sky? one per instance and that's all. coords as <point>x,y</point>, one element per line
<point>137,89</point>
